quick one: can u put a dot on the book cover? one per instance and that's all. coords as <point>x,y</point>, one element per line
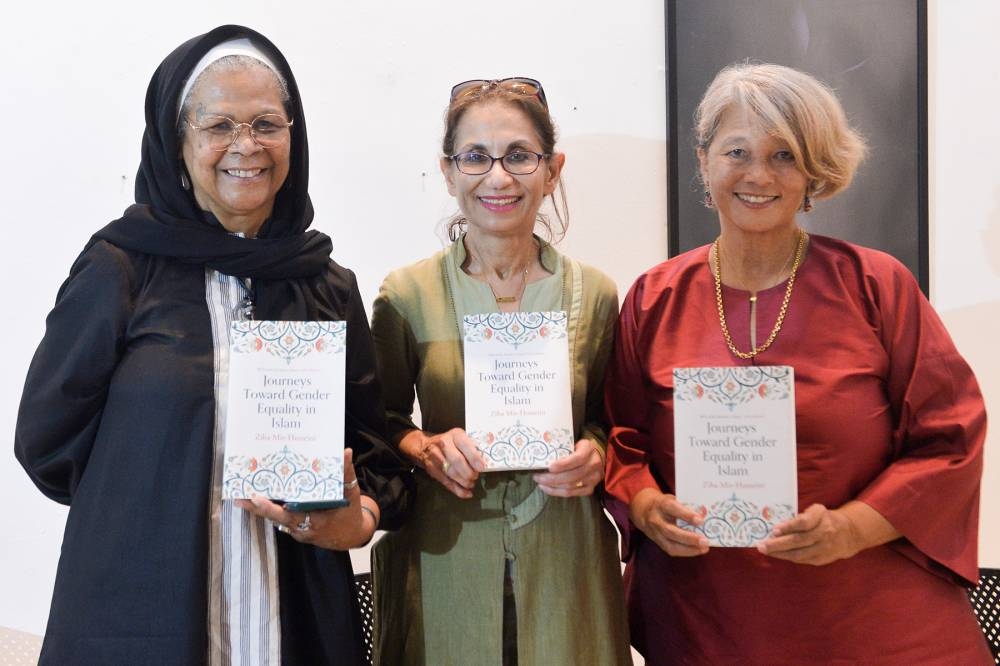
<point>734,447</point>
<point>285,411</point>
<point>517,388</point>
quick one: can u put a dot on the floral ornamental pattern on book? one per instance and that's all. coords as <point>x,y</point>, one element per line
<point>731,386</point>
<point>738,522</point>
<point>289,340</point>
<point>523,447</point>
<point>285,474</point>
<point>515,328</point>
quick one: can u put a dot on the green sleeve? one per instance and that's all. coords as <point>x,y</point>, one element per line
<point>396,362</point>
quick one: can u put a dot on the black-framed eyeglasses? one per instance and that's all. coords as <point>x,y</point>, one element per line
<point>267,131</point>
<point>521,85</point>
<point>516,162</point>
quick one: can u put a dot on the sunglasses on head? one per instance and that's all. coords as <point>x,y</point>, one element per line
<point>516,84</point>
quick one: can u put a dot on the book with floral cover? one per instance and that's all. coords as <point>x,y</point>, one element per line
<point>734,450</point>
<point>285,412</point>
<point>517,388</point>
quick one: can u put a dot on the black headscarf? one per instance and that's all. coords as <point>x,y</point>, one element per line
<point>167,221</point>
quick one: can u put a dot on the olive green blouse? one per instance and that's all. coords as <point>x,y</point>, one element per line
<point>439,580</point>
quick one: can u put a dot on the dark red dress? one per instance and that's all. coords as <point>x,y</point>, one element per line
<point>887,412</point>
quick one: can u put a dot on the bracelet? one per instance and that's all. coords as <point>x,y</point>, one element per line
<point>600,452</point>
<point>372,514</point>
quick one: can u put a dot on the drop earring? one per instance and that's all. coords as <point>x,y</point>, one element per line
<point>709,203</point>
<point>185,183</point>
<point>807,204</point>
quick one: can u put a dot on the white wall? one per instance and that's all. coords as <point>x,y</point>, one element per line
<point>965,210</point>
<point>375,78</point>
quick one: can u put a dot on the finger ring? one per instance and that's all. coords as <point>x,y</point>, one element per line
<point>284,528</point>
<point>445,466</point>
<point>306,523</point>
<point>579,484</point>
<point>351,484</point>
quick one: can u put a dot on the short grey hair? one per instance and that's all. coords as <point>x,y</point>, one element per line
<point>792,106</point>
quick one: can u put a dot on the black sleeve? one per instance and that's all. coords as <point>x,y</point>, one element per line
<point>67,383</point>
<point>382,473</point>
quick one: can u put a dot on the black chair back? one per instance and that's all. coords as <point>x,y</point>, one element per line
<point>985,599</point>
<point>366,603</point>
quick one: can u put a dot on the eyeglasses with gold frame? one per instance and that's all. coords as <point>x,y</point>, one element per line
<point>268,130</point>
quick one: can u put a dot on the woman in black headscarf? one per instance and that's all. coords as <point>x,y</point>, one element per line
<point>121,412</point>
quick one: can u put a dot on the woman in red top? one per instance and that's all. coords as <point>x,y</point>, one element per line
<point>889,419</point>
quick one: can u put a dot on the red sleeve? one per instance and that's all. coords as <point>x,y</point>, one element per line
<point>930,492</point>
<point>627,469</point>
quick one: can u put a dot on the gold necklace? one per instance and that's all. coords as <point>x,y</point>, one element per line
<point>781,313</point>
<point>508,299</point>
<point>502,300</point>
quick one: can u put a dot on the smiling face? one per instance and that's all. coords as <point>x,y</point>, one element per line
<point>238,185</point>
<point>497,202</point>
<point>755,182</point>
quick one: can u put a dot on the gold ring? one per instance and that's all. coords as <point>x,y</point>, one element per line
<point>579,484</point>
<point>445,466</point>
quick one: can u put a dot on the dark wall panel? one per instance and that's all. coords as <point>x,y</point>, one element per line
<point>872,52</point>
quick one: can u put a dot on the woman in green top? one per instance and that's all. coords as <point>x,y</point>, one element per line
<point>498,567</point>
